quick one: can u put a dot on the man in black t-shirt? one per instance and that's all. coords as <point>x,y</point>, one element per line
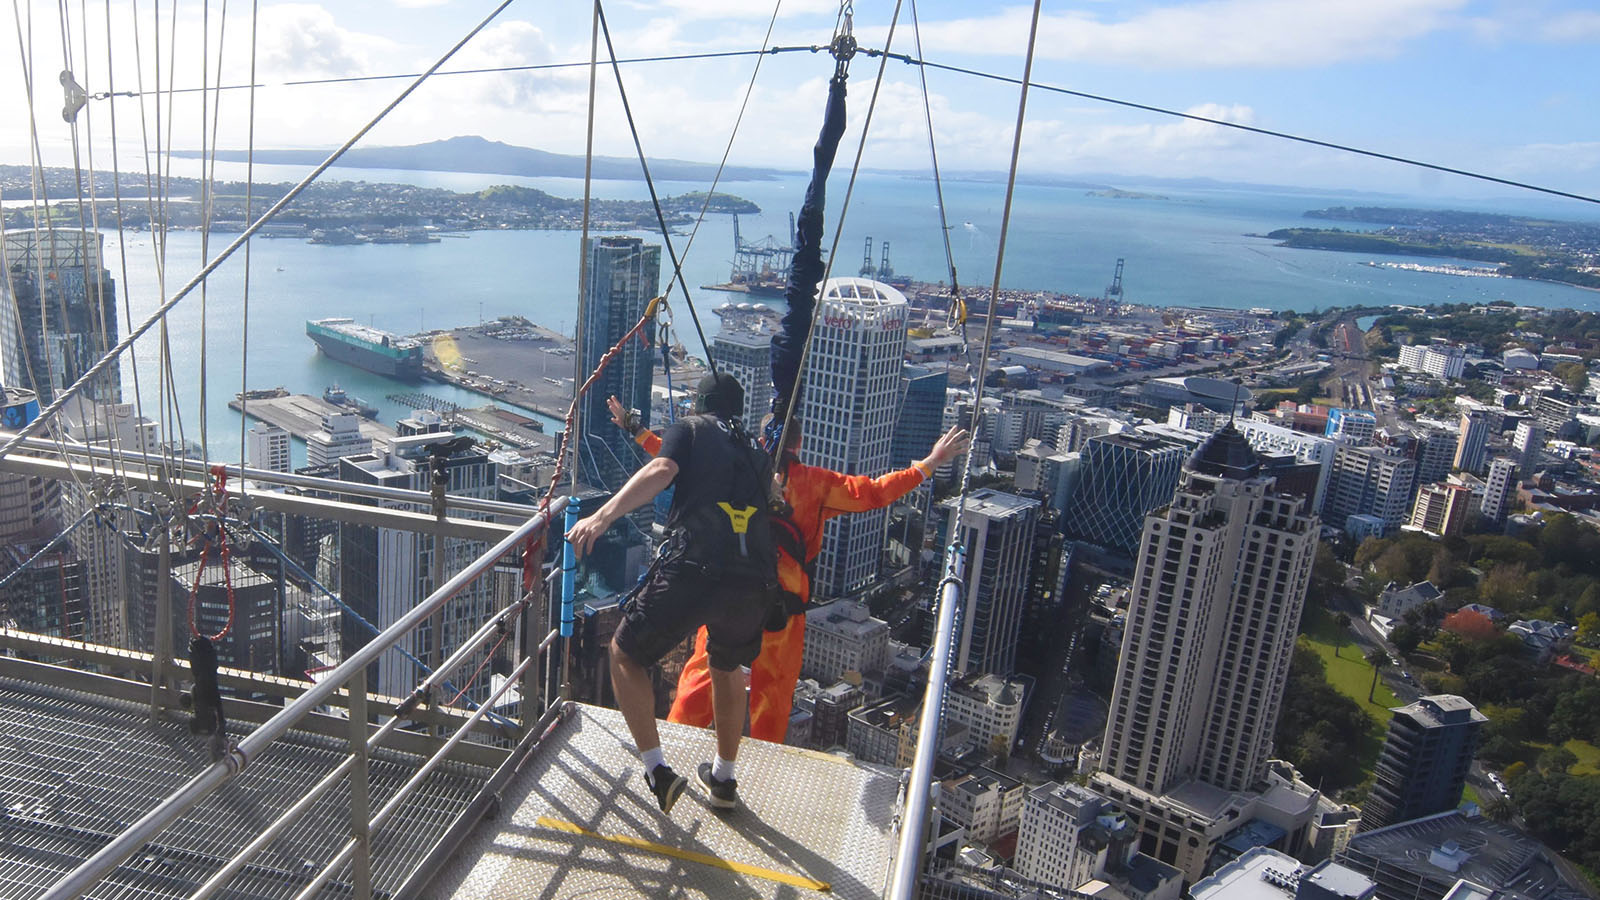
<point>717,569</point>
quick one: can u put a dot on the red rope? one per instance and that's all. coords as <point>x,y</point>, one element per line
<point>221,474</point>
<point>504,633</point>
<point>572,410</point>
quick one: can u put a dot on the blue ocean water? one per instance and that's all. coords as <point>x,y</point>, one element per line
<point>1186,247</point>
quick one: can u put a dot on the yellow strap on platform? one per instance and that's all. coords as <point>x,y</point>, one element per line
<point>799,881</point>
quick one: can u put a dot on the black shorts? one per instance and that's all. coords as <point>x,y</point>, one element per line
<point>678,599</point>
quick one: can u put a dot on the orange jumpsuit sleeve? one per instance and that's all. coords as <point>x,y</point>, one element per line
<point>859,493</point>
<point>649,440</point>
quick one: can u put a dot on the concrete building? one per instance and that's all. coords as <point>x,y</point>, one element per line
<point>1473,443</point>
<point>1039,468</point>
<point>852,396</point>
<point>1122,477</point>
<point>918,426</point>
<point>1396,601</point>
<point>1528,441</point>
<point>747,356</point>
<point>1266,437</point>
<point>1369,481</point>
<point>987,803</point>
<point>267,447</point>
<point>245,603</point>
<point>1425,760</point>
<point>385,572</point>
<point>624,274</point>
<point>1054,362</point>
<point>1215,602</point>
<point>1520,358</point>
<point>1266,874</point>
<point>996,530</point>
<point>1352,426</point>
<point>1070,838</point>
<point>884,732</point>
<point>1438,360</point>
<point>829,710</point>
<point>1499,490</point>
<point>1219,584</point>
<point>989,707</point>
<point>1441,509</point>
<point>62,315</point>
<point>340,436</point>
<point>843,637</point>
<point>1557,411</point>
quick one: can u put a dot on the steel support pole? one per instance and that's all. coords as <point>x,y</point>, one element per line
<point>161,658</point>
<point>360,799</point>
<point>904,878</point>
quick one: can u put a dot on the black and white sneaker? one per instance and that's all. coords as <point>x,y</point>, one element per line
<point>667,785</point>
<point>723,794</point>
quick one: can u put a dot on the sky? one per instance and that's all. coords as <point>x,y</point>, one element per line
<point>1508,88</point>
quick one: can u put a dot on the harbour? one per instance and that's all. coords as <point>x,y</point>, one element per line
<point>301,414</point>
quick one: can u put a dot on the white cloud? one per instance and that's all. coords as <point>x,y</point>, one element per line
<point>512,43</point>
<point>419,4</point>
<point>304,39</point>
<point>1215,34</point>
<point>1572,27</point>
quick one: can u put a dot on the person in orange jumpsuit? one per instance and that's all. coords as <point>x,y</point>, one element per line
<point>815,495</point>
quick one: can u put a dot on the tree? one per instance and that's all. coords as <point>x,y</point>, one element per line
<point>1343,621</point>
<point>1379,660</point>
<point>1589,627</point>
<point>1406,638</point>
<point>1498,809</point>
<point>1574,374</point>
<point>1326,570</point>
<point>1557,760</point>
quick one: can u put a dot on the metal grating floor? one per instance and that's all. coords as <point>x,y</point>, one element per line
<point>578,822</point>
<point>75,769</point>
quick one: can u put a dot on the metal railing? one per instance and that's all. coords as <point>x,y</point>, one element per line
<point>352,676</point>
<point>905,877</point>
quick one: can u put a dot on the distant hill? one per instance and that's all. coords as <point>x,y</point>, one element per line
<point>475,154</point>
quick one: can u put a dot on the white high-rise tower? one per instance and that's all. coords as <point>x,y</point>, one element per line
<point>852,392</point>
<point>1218,587</point>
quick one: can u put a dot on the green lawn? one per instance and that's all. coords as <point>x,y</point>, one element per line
<point>1349,673</point>
<point>1588,755</point>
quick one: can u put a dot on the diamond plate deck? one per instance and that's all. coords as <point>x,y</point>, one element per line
<point>577,821</point>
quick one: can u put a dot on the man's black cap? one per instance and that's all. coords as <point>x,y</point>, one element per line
<point>721,395</point>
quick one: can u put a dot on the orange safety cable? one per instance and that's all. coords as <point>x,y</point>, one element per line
<point>572,411</point>
<point>473,679</point>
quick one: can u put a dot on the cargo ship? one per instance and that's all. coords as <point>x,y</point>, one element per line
<point>367,348</point>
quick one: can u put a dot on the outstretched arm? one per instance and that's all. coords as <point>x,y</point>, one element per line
<point>806,269</point>
<point>858,493</point>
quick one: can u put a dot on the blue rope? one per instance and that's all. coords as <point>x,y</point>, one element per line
<point>49,545</point>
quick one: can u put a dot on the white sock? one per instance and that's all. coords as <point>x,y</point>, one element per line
<point>651,758</point>
<point>722,769</point>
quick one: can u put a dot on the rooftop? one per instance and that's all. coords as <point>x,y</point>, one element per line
<point>1498,856</point>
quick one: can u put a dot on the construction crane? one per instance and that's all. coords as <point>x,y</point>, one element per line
<point>1114,292</point>
<point>867,270</point>
<point>762,267</point>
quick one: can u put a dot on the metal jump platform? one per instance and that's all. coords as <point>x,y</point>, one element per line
<point>578,822</point>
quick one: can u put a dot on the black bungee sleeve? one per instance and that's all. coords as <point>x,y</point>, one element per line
<point>806,270</point>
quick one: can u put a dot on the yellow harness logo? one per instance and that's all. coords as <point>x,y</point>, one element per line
<point>738,518</point>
